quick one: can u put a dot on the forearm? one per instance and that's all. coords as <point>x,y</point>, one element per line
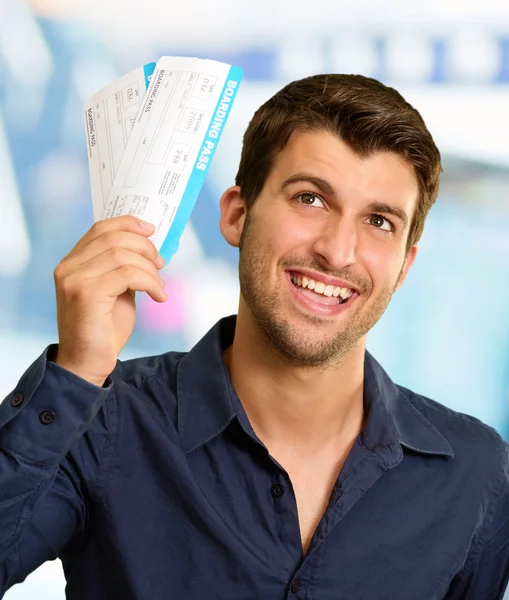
<point>45,416</point>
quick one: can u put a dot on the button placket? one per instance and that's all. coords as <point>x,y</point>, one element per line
<point>278,490</point>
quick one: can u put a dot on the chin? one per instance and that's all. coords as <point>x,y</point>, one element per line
<point>300,343</point>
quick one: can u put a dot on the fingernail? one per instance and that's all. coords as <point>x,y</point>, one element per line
<point>146,225</point>
<point>160,262</point>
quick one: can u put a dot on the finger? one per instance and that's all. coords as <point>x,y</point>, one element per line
<point>110,261</point>
<point>124,223</point>
<point>115,239</point>
<point>129,277</point>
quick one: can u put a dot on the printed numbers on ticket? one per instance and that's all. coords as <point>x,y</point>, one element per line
<point>174,138</point>
<point>110,115</point>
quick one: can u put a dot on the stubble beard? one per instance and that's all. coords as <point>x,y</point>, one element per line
<point>293,343</point>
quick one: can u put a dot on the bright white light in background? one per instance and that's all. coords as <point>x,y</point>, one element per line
<point>354,53</point>
<point>247,21</point>
<point>140,50</point>
<point>483,9</point>
<point>28,59</point>
<point>409,57</point>
<point>466,122</point>
<point>300,57</point>
<point>213,289</point>
<point>91,75</point>
<point>47,582</point>
<point>58,177</point>
<point>474,56</point>
<point>24,50</point>
<point>14,242</point>
<point>190,252</point>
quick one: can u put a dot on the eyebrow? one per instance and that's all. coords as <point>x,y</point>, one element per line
<point>327,189</point>
<point>319,183</point>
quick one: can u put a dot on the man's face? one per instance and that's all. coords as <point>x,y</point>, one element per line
<point>328,220</point>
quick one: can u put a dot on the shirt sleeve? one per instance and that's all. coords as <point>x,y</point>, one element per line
<point>54,428</point>
<point>486,572</point>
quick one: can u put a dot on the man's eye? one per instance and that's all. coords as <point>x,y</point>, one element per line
<point>310,199</point>
<point>381,223</point>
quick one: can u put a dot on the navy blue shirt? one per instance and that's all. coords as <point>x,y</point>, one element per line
<point>155,487</point>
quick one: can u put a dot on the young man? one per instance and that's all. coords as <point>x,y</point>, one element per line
<point>276,459</point>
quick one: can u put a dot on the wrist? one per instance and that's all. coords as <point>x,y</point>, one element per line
<point>76,369</point>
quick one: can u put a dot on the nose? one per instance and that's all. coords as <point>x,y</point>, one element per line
<point>336,243</point>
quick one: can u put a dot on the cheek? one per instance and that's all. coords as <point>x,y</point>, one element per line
<point>283,234</point>
<point>382,261</point>
<point>294,231</point>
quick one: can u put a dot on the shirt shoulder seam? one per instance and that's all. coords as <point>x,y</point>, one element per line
<point>446,413</point>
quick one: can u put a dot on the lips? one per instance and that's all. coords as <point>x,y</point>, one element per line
<point>319,303</point>
<point>320,288</point>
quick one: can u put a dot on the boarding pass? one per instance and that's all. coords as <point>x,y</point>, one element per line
<point>151,136</point>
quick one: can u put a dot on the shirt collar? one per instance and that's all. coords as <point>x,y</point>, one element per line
<point>207,403</point>
<point>393,418</point>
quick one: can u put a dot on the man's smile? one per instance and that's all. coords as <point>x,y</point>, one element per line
<point>319,294</point>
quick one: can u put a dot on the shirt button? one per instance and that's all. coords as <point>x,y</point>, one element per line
<point>278,490</point>
<point>17,400</point>
<point>296,585</point>
<point>47,417</point>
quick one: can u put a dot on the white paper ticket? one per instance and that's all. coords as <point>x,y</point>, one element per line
<point>110,115</point>
<point>173,140</point>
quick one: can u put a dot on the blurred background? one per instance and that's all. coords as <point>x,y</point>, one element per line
<point>446,333</point>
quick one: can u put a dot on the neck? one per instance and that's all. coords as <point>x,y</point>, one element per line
<point>306,408</point>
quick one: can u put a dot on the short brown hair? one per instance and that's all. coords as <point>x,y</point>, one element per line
<point>367,115</point>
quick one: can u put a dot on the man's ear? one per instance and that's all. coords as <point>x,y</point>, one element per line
<point>409,261</point>
<point>233,215</point>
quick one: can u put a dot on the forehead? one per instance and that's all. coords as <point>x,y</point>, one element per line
<point>384,175</point>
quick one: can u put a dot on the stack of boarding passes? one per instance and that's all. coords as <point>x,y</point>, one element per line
<point>151,136</point>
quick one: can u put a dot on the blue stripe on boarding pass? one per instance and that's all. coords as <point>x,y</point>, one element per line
<point>207,151</point>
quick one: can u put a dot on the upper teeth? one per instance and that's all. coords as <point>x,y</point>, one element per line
<point>320,288</point>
